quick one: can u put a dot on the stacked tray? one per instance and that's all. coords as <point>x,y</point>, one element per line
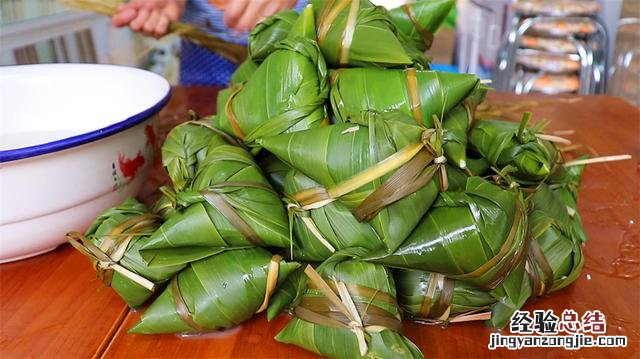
<point>553,47</point>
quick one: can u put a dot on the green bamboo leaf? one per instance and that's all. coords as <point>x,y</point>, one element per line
<point>566,189</point>
<point>419,20</point>
<point>218,292</point>
<point>112,229</point>
<point>476,235</point>
<point>344,150</point>
<point>274,169</point>
<point>286,293</point>
<point>365,38</point>
<point>419,60</point>
<point>165,206</point>
<point>457,123</point>
<point>156,258</point>
<point>373,291</point>
<point>269,32</point>
<point>305,24</point>
<point>558,257</point>
<point>436,93</point>
<point>334,223</point>
<point>433,298</point>
<point>285,93</point>
<point>186,145</point>
<point>503,143</point>
<point>243,72</point>
<point>420,294</point>
<point>511,295</point>
<point>230,174</point>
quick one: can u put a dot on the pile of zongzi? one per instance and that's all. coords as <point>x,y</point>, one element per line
<point>344,181</point>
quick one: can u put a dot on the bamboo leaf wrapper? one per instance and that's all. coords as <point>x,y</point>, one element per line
<point>285,93</point>
<point>228,204</point>
<point>419,94</point>
<point>185,146</point>
<point>432,296</point>
<point>456,125</point>
<point>243,72</point>
<point>215,293</point>
<point>348,153</point>
<point>115,238</point>
<point>478,235</point>
<point>322,231</point>
<point>505,143</point>
<point>370,329</point>
<point>555,256</point>
<point>419,20</point>
<point>357,33</point>
<point>566,189</point>
<point>269,32</point>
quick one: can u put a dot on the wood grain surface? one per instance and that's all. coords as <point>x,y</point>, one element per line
<point>52,306</point>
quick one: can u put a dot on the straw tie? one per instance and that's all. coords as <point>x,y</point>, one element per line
<point>427,36</point>
<point>182,309</point>
<point>414,94</point>
<point>327,18</point>
<point>106,258</point>
<point>310,224</point>
<point>427,308</point>
<point>416,164</point>
<point>347,33</point>
<point>230,51</point>
<point>411,177</point>
<point>537,260</point>
<point>228,111</point>
<point>200,121</point>
<point>440,160</point>
<point>518,225</point>
<point>215,197</point>
<point>440,312</point>
<point>340,311</point>
<point>272,281</point>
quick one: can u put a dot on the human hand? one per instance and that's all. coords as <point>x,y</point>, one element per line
<point>243,15</point>
<point>151,17</point>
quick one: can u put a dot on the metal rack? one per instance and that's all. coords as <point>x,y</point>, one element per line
<point>591,49</point>
<point>624,80</point>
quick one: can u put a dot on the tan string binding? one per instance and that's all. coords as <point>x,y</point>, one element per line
<point>427,302</point>
<point>228,110</point>
<point>272,281</point>
<point>504,249</point>
<point>182,309</point>
<point>427,37</point>
<point>318,197</point>
<point>311,225</point>
<point>347,33</point>
<point>536,259</point>
<point>328,15</point>
<point>341,311</point>
<point>220,203</point>
<point>103,264</point>
<point>414,94</point>
<point>414,170</point>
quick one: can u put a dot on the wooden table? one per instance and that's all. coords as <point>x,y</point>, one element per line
<point>53,306</point>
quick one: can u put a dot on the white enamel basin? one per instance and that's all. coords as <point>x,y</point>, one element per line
<point>75,139</point>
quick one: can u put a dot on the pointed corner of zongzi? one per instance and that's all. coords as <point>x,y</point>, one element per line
<point>305,25</point>
<point>137,328</point>
<point>160,317</point>
<point>286,269</point>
